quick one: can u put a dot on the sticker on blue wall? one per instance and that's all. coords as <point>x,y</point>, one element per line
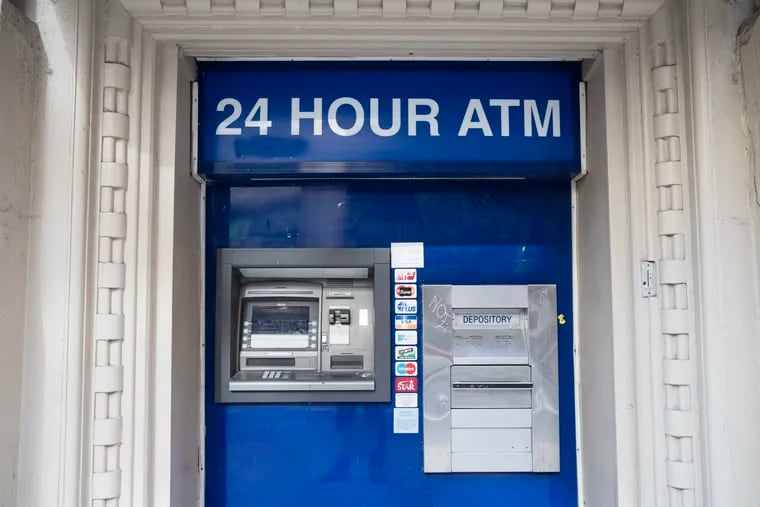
<point>407,255</point>
<point>406,338</point>
<point>407,400</point>
<point>406,306</point>
<point>406,369</point>
<point>406,420</point>
<point>405,291</point>
<point>405,275</point>
<point>406,322</point>
<point>406,385</point>
<point>406,353</point>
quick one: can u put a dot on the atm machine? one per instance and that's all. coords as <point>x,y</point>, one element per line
<point>490,391</point>
<point>303,325</point>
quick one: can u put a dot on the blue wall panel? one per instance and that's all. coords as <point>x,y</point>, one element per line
<point>346,454</point>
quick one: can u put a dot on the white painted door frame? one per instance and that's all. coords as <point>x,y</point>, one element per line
<point>627,486</point>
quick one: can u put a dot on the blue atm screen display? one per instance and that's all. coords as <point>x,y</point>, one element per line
<point>280,320</point>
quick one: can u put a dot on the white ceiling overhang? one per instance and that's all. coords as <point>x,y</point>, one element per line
<point>391,28</point>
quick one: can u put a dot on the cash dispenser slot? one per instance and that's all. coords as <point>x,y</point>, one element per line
<point>346,362</point>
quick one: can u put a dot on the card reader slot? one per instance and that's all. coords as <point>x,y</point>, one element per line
<point>347,362</point>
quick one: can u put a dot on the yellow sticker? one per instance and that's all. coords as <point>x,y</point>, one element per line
<point>561,318</point>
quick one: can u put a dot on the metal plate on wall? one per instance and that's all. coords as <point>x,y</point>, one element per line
<point>449,386</point>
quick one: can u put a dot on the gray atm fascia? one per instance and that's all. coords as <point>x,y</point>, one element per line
<point>230,261</point>
<point>438,303</point>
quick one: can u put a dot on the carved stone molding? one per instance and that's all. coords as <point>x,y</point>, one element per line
<point>578,9</point>
<point>108,333</point>
<point>679,361</point>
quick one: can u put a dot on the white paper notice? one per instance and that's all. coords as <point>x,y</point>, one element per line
<point>406,400</point>
<point>363,317</point>
<point>407,255</point>
<point>406,420</point>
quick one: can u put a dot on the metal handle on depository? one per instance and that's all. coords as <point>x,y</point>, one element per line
<point>490,386</point>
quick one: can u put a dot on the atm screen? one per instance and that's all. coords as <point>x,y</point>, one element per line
<point>279,320</point>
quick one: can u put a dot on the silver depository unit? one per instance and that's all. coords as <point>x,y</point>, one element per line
<point>490,392</point>
<point>302,325</point>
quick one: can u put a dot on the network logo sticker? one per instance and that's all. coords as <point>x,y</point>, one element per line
<point>406,337</point>
<point>406,353</point>
<point>406,322</point>
<point>406,291</point>
<point>408,306</point>
<point>405,276</point>
<point>406,369</point>
<point>407,385</point>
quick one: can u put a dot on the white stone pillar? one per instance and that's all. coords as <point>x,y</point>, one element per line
<point>106,362</point>
<point>50,438</point>
<point>18,40</point>
<point>678,345</point>
<point>729,307</point>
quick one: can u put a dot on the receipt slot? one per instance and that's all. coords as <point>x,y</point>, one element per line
<point>302,325</point>
<point>490,393</point>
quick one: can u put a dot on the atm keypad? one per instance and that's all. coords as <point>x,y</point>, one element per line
<point>276,375</point>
